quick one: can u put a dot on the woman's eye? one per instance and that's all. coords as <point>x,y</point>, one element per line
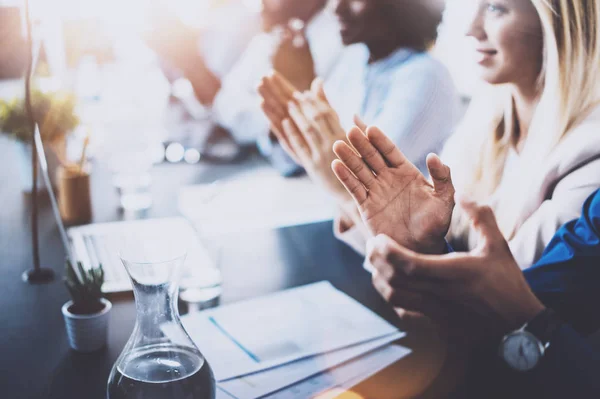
<point>495,9</point>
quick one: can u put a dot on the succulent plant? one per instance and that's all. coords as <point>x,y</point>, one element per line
<point>85,289</point>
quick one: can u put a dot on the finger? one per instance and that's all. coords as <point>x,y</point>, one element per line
<point>296,142</point>
<point>314,111</point>
<point>360,124</point>
<point>350,182</point>
<point>274,117</point>
<point>355,163</point>
<point>278,131</point>
<point>272,100</point>
<point>277,90</point>
<point>282,85</point>
<point>306,128</point>
<point>324,116</point>
<point>411,301</point>
<point>386,253</point>
<point>318,89</point>
<point>482,219</point>
<point>386,147</point>
<point>440,175</point>
<point>283,140</point>
<point>366,150</point>
<point>423,285</point>
<point>398,274</point>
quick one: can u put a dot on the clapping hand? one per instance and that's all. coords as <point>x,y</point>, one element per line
<point>393,196</point>
<point>307,127</point>
<point>487,281</point>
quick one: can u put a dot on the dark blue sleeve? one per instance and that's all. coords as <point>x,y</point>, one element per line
<point>567,276</point>
<point>570,368</point>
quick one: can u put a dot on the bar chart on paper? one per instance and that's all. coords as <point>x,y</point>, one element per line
<point>256,335</point>
<point>339,379</point>
<point>297,343</point>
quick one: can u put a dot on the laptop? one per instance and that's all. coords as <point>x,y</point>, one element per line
<point>99,243</point>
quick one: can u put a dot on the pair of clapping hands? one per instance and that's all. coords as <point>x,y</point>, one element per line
<point>407,214</point>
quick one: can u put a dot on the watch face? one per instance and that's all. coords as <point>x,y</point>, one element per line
<point>521,350</point>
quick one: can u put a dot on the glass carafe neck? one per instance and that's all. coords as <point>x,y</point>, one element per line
<point>156,306</point>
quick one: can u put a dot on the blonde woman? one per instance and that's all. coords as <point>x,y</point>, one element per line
<point>529,146</point>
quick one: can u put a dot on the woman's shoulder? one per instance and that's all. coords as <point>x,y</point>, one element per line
<point>585,132</point>
<point>579,148</point>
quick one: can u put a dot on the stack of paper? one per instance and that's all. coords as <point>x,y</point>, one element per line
<point>309,338</point>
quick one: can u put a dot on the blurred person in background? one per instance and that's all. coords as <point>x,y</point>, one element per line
<point>298,38</point>
<point>203,56</point>
<point>300,41</point>
<point>529,145</point>
<point>385,77</point>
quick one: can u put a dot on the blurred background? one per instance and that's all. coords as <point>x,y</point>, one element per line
<point>138,83</point>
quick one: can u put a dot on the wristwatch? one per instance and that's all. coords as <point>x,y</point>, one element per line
<point>523,349</point>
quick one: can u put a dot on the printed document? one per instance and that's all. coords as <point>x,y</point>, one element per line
<point>262,333</point>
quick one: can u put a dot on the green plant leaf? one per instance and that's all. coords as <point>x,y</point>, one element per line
<point>85,289</point>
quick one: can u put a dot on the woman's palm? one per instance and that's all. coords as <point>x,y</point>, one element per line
<point>393,196</point>
<point>405,206</point>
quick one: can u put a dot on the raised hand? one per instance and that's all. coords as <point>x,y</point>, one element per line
<point>307,128</point>
<point>276,93</point>
<point>487,281</point>
<point>393,196</point>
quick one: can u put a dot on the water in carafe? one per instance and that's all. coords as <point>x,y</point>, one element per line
<point>159,360</point>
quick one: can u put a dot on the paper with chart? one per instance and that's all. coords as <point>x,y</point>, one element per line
<point>265,332</point>
<point>265,382</point>
<point>334,382</point>
<point>259,199</point>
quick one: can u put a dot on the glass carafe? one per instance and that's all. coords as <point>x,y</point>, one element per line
<point>160,360</point>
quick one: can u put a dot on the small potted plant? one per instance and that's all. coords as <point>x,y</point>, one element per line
<point>54,112</point>
<point>87,313</point>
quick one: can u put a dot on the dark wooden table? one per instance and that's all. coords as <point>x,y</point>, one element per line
<point>35,359</point>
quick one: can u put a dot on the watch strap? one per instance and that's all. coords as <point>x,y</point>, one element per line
<point>544,325</point>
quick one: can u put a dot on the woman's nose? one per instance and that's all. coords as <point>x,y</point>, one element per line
<point>476,26</point>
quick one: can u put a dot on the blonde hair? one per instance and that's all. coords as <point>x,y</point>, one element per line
<point>570,81</point>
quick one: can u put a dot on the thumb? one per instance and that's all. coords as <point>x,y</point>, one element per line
<point>440,175</point>
<point>482,218</point>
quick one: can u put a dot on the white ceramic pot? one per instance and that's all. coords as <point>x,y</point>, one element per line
<point>23,151</point>
<point>87,333</point>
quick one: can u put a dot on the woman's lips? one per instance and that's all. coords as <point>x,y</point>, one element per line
<point>484,55</point>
